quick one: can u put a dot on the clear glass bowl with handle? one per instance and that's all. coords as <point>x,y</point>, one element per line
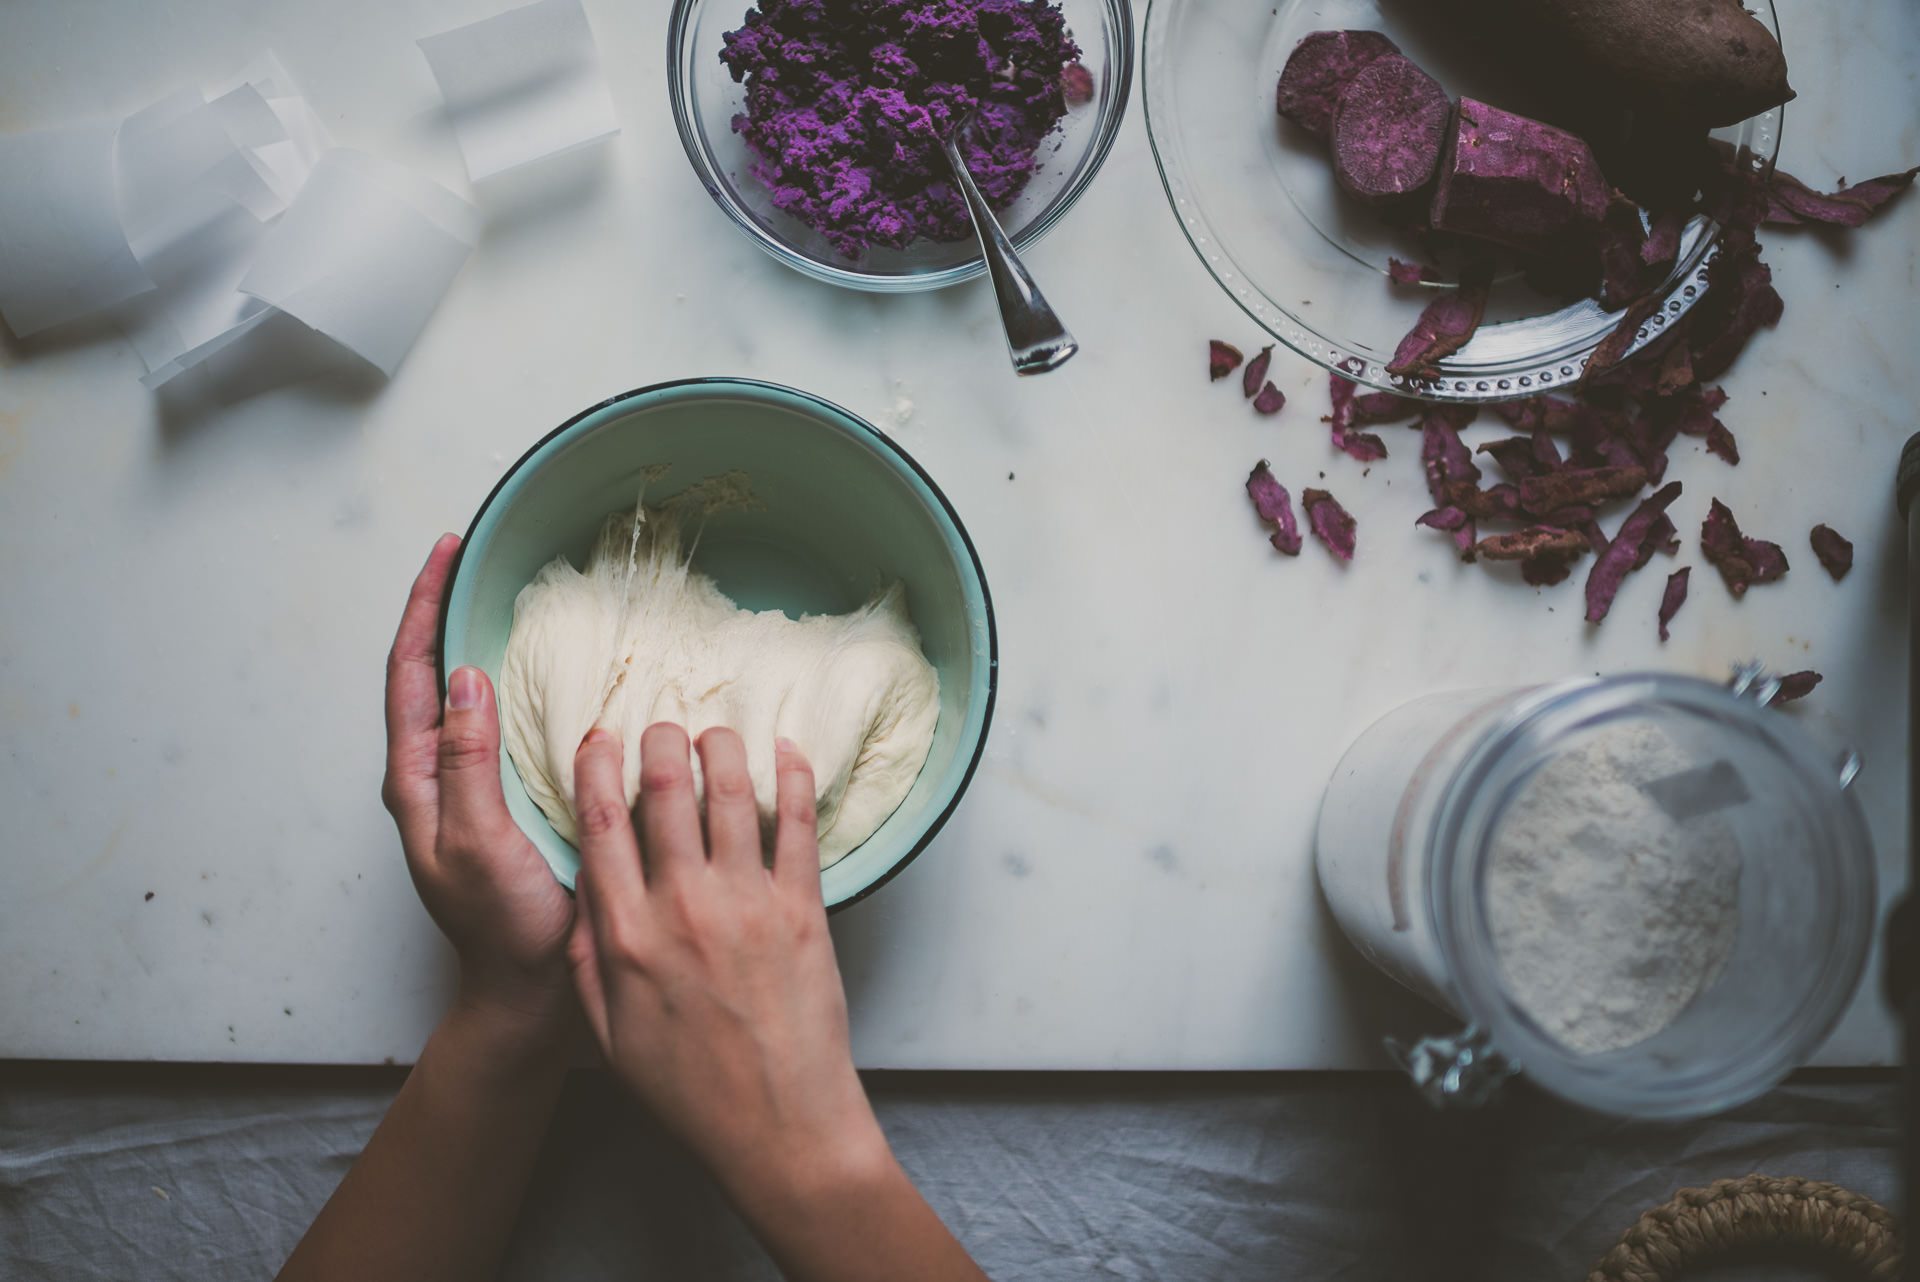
<point>1255,197</point>
<point>706,99</point>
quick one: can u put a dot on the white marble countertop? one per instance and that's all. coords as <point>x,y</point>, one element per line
<point>194,863</point>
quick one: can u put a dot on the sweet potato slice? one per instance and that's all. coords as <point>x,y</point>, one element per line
<point>1320,67</point>
<point>1388,131</point>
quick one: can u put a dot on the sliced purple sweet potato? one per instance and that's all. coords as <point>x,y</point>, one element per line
<point>1611,567</point>
<point>1790,201</point>
<point>1410,273</point>
<point>1612,349</point>
<point>1270,400</point>
<point>1275,506</point>
<point>1517,182</point>
<point>1443,329</point>
<point>1388,131</point>
<point>1546,570</point>
<point>1320,67</point>
<point>1834,550</point>
<point>1661,249</point>
<point>1255,375</point>
<point>1330,522</point>
<point>1674,597</point>
<point>1382,407</point>
<point>1222,359</point>
<point>1795,685</point>
<point>1518,457</point>
<point>1742,561</point>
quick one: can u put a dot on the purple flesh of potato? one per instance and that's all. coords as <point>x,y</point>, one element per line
<point>1611,567</point>
<point>1443,329</point>
<point>1275,506</point>
<point>1674,597</point>
<point>1255,374</point>
<point>1270,400</point>
<point>1795,685</point>
<point>1742,561</point>
<point>1388,131</point>
<point>1222,359</point>
<point>1791,201</point>
<point>1517,182</point>
<point>1382,407</point>
<point>1834,551</point>
<point>1331,523</point>
<point>1319,68</point>
<point>1410,273</point>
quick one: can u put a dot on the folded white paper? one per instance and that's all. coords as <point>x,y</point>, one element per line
<point>522,86</point>
<point>198,182</point>
<point>63,252</point>
<point>364,254</point>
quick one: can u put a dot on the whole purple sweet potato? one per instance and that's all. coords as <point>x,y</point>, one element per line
<point>1517,182</point>
<point>1705,62</point>
<point>1389,129</point>
<point>1320,67</point>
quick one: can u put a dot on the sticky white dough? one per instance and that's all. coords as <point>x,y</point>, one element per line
<point>638,637</point>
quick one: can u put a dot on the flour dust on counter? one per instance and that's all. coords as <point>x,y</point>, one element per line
<point>639,636</point>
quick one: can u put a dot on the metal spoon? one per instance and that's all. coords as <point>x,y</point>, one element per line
<point>1036,339</point>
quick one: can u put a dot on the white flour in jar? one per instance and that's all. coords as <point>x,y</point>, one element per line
<point>1609,915</point>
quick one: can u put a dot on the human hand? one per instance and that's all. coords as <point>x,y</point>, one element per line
<point>708,977</point>
<point>482,881</point>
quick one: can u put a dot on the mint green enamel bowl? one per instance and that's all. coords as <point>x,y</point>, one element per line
<point>846,512</point>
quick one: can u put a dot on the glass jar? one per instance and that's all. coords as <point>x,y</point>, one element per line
<point>1411,819</point>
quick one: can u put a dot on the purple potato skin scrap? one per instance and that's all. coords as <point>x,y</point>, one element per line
<point>1444,328</point>
<point>1270,400</point>
<point>1795,685</point>
<point>1517,182</point>
<point>1410,273</point>
<point>1674,597</point>
<point>1320,67</point>
<point>1742,561</point>
<point>1275,506</point>
<point>1222,359</point>
<point>1388,131</point>
<point>1331,523</point>
<point>1834,550</point>
<point>1790,201</point>
<point>1255,374</point>
<point>1611,567</point>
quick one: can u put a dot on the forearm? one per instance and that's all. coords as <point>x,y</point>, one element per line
<point>851,1215</point>
<point>435,1193</point>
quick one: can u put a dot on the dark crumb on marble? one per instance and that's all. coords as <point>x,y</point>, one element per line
<point>388,1061</point>
<point>286,1010</point>
<point>149,894</point>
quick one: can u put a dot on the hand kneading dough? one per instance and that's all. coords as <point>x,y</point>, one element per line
<point>638,637</point>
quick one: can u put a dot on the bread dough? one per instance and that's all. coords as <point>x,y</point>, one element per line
<point>638,636</point>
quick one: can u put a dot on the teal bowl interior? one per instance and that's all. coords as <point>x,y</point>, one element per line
<point>845,513</point>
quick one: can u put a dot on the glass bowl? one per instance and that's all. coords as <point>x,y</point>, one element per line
<point>1256,198</point>
<point>706,99</point>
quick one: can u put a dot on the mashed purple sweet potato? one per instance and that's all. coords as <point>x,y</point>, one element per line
<point>847,104</point>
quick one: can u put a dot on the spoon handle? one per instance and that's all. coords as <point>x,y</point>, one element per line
<point>1036,339</point>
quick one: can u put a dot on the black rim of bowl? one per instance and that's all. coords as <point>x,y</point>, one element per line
<point>877,437</point>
